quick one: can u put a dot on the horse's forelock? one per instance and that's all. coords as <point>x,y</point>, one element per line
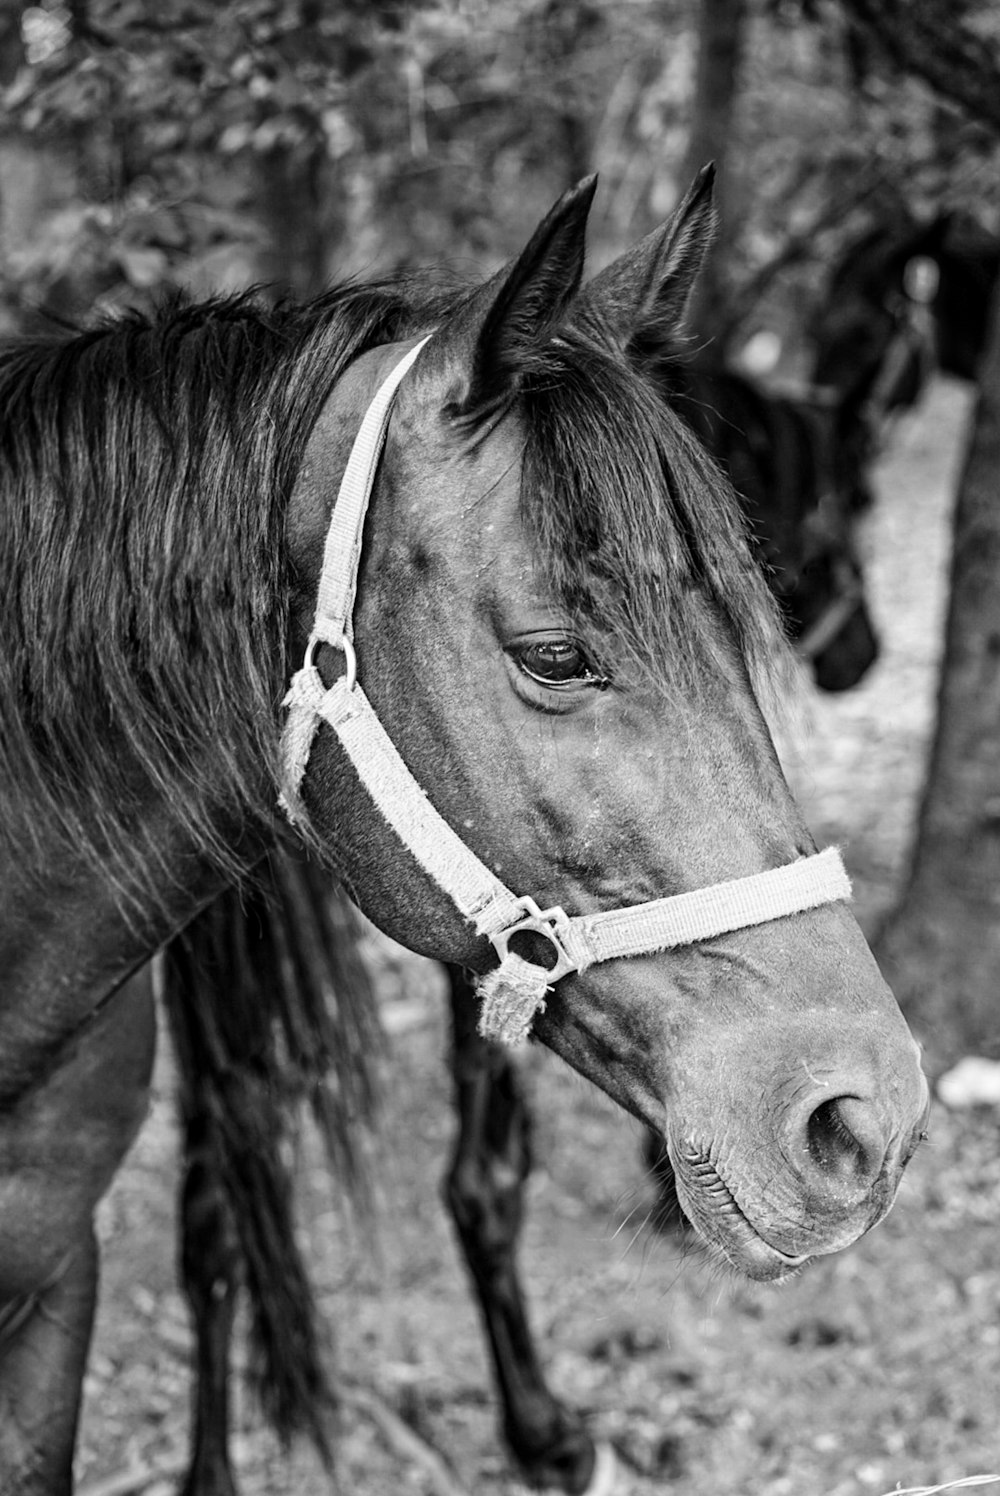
<point>631,515</point>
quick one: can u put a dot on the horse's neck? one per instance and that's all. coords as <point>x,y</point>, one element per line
<point>68,942</point>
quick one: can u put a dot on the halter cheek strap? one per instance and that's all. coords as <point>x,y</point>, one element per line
<point>515,991</point>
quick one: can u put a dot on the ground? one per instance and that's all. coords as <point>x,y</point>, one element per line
<point>875,1369</point>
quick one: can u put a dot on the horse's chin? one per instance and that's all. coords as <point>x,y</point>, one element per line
<point>754,1258</point>
<point>724,1227</point>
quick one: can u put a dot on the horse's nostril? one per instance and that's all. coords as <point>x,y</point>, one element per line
<point>845,1140</point>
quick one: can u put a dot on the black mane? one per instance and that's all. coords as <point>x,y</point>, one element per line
<point>146,468</point>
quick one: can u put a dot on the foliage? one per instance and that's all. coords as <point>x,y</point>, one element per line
<point>294,139</point>
<point>414,117</point>
<point>952,45</point>
<point>159,110</point>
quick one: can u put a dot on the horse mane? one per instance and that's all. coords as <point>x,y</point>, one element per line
<point>146,467</point>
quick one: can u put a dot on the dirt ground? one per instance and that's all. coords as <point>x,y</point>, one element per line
<point>877,1368</point>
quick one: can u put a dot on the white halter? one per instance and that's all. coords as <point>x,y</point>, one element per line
<point>515,991</point>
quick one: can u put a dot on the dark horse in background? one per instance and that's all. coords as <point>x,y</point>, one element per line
<point>287,946</point>
<point>795,480</point>
<point>562,633</point>
<point>906,298</point>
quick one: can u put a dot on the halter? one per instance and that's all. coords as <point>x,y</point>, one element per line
<point>515,991</point>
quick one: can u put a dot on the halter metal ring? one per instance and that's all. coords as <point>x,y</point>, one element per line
<point>545,922</point>
<point>344,644</point>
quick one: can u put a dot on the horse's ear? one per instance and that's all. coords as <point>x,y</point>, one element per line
<point>641,298</point>
<point>484,343</point>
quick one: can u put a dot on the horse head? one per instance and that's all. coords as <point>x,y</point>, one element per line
<point>560,628</point>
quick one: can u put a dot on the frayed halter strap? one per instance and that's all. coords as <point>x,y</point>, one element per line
<point>515,991</point>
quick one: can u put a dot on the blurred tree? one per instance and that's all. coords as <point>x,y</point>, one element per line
<point>11,45</point>
<point>721,28</point>
<point>950,44</point>
<point>941,945</point>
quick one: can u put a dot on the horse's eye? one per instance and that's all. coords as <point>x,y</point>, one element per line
<point>557,662</point>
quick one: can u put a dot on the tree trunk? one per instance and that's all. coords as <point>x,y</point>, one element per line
<point>293,257</point>
<point>721,32</point>
<point>941,947</point>
<point>37,176</point>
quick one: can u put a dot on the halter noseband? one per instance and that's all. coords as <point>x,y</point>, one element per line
<point>515,991</point>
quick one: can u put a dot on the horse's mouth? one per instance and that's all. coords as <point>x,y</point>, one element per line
<point>712,1208</point>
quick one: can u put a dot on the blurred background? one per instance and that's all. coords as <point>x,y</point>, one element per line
<point>290,143</point>
<point>295,141</point>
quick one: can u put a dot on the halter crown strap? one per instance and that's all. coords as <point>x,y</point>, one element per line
<point>516,990</point>
<point>342,551</point>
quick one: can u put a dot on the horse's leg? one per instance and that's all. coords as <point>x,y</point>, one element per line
<point>209,1258</point>
<point>210,1273</point>
<point>485,1190</point>
<point>44,1338</point>
<point>63,1132</point>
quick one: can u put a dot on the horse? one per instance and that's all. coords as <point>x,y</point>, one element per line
<point>532,591</point>
<point>905,298</point>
